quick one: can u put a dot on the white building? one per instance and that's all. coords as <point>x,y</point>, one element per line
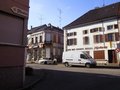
<point>96,32</point>
<point>45,41</point>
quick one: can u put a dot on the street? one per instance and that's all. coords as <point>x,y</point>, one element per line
<point>59,77</point>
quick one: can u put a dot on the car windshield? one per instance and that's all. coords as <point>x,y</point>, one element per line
<point>87,55</point>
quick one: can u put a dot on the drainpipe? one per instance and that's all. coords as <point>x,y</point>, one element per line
<point>103,33</point>
<point>118,22</point>
<point>65,40</point>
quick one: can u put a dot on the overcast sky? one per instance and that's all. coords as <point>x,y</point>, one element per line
<point>61,12</point>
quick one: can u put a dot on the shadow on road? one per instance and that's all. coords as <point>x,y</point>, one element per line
<point>102,67</point>
<point>64,80</point>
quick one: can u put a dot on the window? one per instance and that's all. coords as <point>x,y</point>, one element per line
<point>109,27</point>
<point>98,38</point>
<point>85,32</point>
<point>59,38</point>
<point>75,33</point>
<point>116,36</point>
<point>85,40</point>
<point>100,29</point>
<point>71,34</point>
<point>54,38</point>
<point>115,26</point>
<point>48,37</point>
<point>32,40</point>
<point>36,39</point>
<point>40,39</point>
<point>72,41</point>
<point>111,37</point>
<point>93,30</point>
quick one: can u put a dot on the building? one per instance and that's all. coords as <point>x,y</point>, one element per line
<point>13,32</point>
<point>45,41</point>
<point>96,32</point>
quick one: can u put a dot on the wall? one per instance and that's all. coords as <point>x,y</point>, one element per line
<point>91,46</point>
<point>13,29</point>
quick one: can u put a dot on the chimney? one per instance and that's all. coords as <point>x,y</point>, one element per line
<point>31,27</point>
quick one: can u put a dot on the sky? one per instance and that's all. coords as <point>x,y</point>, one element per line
<point>61,12</point>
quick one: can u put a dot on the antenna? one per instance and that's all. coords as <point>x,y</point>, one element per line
<point>41,19</point>
<point>103,3</point>
<point>59,10</point>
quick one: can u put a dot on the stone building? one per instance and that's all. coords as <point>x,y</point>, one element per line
<point>45,41</point>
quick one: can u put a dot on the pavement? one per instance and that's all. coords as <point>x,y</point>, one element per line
<point>32,80</point>
<point>39,75</point>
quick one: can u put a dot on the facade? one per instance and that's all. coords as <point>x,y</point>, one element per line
<point>45,41</point>
<point>96,32</point>
<point>13,32</point>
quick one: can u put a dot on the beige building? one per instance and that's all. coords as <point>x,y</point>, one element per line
<point>45,41</point>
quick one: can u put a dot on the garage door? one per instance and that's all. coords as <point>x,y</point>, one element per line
<point>10,29</point>
<point>99,54</point>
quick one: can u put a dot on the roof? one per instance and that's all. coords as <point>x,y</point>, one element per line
<point>43,28</point>
<point>96,15</point>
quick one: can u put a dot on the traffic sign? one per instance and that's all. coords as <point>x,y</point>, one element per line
<point>117,50</point>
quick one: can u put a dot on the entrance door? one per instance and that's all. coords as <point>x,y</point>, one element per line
<point>112,56</point>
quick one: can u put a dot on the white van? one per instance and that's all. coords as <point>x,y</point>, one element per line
<point>70,58</point>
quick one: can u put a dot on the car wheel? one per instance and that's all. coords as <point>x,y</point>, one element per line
<point>88,65</point>
<point>45,62</point>
<point>55,62</point>
<point>67,64</point>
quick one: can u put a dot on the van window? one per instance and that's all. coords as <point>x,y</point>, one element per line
<point>83,56</point>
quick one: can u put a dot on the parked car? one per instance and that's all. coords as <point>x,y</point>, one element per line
<point>70,58</point>
<point>47,61</point>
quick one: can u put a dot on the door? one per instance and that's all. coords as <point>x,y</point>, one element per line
<point>112,56</point>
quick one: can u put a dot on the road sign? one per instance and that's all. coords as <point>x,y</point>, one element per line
<point>117,50</point>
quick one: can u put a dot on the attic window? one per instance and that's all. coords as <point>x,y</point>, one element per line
<point>109,27</point>
<point>115,26</point>
<point>71,34</point>
<point>94,30</point>
<point>85,32</point>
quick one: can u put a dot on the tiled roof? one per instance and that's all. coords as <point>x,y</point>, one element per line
<point>96,15</point>
<point>44,27</point>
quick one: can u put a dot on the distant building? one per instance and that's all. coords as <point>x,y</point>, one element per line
<point>96,32</point>
<point>45,41</point>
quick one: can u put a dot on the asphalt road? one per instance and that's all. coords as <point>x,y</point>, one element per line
<point>58,77</point>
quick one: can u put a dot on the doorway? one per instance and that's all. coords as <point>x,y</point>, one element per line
<point>112,58</point>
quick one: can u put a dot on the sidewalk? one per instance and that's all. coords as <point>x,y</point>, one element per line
<point>108,65</point>
<point>31,80</point>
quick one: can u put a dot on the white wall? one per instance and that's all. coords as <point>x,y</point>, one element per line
<point>91,45</point>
